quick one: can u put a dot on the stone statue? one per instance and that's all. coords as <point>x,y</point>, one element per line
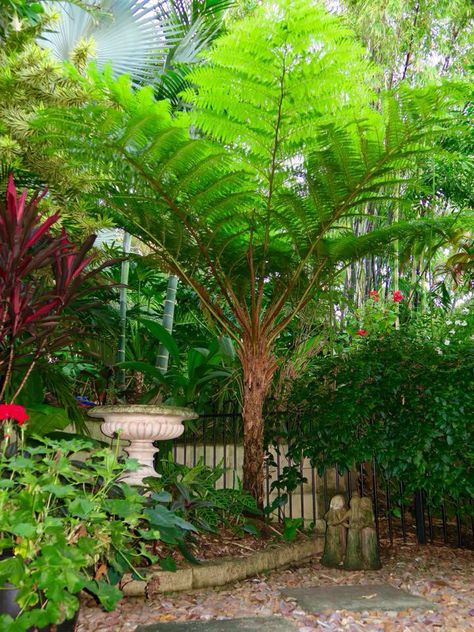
<point>353,559</point>
<point>335,543</point>
<point>368,536</point>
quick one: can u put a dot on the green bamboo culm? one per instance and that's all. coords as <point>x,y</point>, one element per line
<point>162,358</point>
<point>124,271</point>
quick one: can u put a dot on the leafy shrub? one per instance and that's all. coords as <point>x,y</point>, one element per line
<point>68,524</point>
<point>405,398</point>
<point>193,494</point>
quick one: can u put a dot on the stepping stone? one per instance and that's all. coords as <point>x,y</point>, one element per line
<point>251,624</point>
<point>356,598</point>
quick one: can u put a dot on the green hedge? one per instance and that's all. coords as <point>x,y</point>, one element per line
<point>400,398</point>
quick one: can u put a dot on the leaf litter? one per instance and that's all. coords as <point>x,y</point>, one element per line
<point>439,574</point>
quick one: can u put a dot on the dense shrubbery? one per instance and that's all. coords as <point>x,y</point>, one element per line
<point>403,397</point>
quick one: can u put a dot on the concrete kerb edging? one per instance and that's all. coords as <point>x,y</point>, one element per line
<point>225,570</point>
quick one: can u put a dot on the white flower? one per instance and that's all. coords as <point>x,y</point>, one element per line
<point>457,322</point>
<point>439,351</point>
<point>463,323</point>
<point>447,342</point>
<point>452,331</point>
<point>449,322</point>
<point>465,310</point>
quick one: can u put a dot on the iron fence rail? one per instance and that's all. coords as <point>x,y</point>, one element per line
<point>216,439</point>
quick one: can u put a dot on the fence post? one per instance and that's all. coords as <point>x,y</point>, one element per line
<point>420,517</point>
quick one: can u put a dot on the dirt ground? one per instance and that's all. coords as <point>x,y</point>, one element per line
<point>443,575</point>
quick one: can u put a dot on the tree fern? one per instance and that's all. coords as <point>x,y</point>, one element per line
<point>254,212</point>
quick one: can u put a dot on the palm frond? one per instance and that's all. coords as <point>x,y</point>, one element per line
<point>127,34</point>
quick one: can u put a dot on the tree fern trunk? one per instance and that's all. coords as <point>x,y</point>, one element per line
<point>258,369</point>
<point>167,322</point>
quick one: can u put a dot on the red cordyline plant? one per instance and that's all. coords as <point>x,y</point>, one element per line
<point>40,275</point>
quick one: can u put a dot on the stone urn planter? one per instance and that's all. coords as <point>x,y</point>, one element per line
<point>141,425</point>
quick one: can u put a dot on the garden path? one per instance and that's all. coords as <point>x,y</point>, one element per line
<point>441,575</point>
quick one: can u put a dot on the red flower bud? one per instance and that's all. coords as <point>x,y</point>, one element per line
<point>362,332</point>
<point>374,295</point>
<point>397,296</point>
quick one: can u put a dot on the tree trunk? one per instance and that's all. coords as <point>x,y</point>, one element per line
<point>258,368</point>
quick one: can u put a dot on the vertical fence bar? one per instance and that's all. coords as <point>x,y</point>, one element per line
<point>472,523</point>
<point>224,451</point>
<point>204,443</point>
<point>236,439</point>
<point>267,476</point>
<point>290,494</point>
<point>389,512</point>
<point>420,517</point>
<point>458,527</point>
<point>302,487</point>
<point>325,491</point>
<point>281,510</point>
<point>430,521</point>
<point>402,512</point>
<point>375,499</point>
<point>185,441</point>
<point>314,492</point>
<point>195,437</point>
<point>214,442</point>
<point>444,523</point>
<point>361,479</point>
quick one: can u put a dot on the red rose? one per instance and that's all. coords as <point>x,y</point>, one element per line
<point>13,411</point>
<point>398,296</point>
<point>362,332</point>
<point>374,295</point>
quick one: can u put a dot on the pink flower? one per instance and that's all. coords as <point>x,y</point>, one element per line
<point>397,296</point>
<point>374,295</point>
<point>362,332</point>
<point>13,411</point>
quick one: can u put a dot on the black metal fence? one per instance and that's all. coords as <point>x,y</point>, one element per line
<point>216,439</point>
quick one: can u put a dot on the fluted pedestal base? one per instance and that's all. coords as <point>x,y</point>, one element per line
<point>141,425</point>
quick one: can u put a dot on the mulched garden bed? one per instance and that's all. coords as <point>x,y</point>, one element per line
<point>226,543</point>
<point>440,574</point>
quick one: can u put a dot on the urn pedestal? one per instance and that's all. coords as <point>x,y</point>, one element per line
<point>141,425</point>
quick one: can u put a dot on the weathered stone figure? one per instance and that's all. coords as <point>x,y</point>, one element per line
<point>368,536</point>
<point>353,559</point>
<point>335,543</point>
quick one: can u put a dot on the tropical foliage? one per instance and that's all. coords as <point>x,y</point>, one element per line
<point>255,214</point>
<point>403,397</point>
<point>43,283</point>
